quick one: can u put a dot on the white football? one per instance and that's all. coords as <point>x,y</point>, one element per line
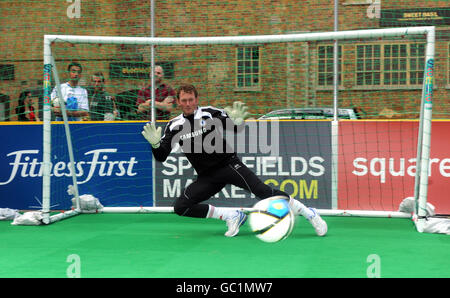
<point>272,220</point>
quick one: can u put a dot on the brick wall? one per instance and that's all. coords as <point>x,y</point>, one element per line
<point>288,72</point>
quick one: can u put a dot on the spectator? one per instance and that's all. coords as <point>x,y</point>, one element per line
<point>101,103</point>
<point>164,98</point>
<point>27,107</point>
<point>74,96</point>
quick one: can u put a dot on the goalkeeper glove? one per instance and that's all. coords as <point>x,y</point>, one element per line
<point>152,134</point>
<point>238,113</point>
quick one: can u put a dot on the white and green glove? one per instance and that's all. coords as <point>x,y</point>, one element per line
<point>152,134</point>
<point>238,113</point>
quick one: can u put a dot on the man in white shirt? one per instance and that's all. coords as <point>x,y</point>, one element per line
<point>75,97</point>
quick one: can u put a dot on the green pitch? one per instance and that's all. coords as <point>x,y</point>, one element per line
<point>166,245</point>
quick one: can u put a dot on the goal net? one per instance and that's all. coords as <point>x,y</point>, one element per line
<point>356,151</point>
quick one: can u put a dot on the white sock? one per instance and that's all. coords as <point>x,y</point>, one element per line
<point>300,209</point>
<point>220,212</point>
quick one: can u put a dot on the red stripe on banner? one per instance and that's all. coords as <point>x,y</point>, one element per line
<point>377,164</point>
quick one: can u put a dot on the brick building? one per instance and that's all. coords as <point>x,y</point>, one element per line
<point>378,75</point>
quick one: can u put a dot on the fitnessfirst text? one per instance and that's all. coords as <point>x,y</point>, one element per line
<point>26,164</point>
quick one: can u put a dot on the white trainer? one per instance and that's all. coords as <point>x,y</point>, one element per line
<point>318,223</point>
<point>234,223</point>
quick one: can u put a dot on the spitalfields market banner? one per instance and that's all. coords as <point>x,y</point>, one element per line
<point>292,156</point>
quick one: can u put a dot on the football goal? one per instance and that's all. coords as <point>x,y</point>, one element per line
<point>361,155</point>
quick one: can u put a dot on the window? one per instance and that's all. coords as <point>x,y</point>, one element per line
<point>248,67</point>
<point>368,65</point>
<point>417,63</point>
<point>6,72</point>
<point>395,57</point>
<point>390,64</point>
<point>325,67</point>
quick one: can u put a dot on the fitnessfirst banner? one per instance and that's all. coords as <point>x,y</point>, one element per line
<point>112,162</point>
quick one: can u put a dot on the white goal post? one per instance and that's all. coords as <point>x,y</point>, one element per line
<point>423,147</point>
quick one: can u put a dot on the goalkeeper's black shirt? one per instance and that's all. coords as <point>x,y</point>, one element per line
<point>201,138</point>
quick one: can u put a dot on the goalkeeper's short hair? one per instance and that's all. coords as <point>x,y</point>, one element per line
<point>187,88</point>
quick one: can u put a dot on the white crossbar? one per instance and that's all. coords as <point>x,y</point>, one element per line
<point>353,34</point>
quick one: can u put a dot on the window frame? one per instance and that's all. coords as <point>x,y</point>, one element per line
<point>383,72</point>
<point>340,67</point>
<point>253,86</point>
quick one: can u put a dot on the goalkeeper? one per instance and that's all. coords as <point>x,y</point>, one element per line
<point>215,168</point>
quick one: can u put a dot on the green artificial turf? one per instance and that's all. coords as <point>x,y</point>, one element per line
<point>168,246</point>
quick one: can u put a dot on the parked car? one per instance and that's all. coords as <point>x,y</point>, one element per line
<point>310,113</point>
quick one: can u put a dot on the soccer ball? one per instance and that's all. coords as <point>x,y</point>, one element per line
<point>272,220</point>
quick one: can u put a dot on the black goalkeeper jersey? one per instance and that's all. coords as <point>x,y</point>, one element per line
<point>201,137</point>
